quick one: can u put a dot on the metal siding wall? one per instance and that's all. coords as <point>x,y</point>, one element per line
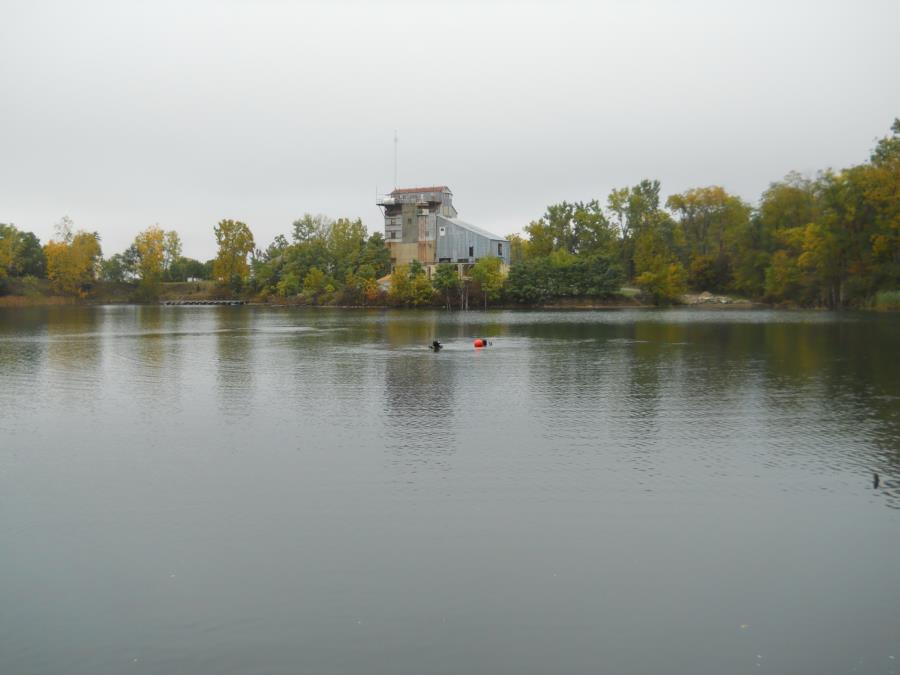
<point>464,239</point>
<point>460,241</point>
<point>505,256</point>
<point>441,242</point>
<point>452,244</point>
<point>482,247</point>
<point>455,243</point>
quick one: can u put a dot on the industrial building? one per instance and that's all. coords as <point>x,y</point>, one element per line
<point>421,224</point>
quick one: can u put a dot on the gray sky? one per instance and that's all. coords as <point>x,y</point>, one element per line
<point>124,114</point>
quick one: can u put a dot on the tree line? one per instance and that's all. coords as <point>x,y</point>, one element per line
<point>72,261</point>
<point>324,261</point>
<point>830,241</point>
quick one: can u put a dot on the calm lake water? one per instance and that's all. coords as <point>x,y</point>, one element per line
<point>193,490</point>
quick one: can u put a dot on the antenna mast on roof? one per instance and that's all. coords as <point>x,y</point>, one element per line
<point>396,160</point>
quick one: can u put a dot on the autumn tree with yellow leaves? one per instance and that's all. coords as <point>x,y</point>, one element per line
<point>72,259</point>
<point>235,242</point>
<point>150,246</point>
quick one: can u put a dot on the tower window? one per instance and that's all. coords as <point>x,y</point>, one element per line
<point>471,251</point>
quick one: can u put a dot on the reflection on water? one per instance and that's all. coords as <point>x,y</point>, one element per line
<point>419,406</point>
<point>234,361</point>
<point>73,355</point>
<point>242,489</point>
<point>152,356</point>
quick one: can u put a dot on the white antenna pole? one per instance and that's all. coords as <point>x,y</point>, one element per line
<point>396,160</point>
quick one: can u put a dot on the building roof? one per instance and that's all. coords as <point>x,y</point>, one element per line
<point>473,228</point>
<point>414,190</point>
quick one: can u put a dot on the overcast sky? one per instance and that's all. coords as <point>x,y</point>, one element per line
<point>125,114</point>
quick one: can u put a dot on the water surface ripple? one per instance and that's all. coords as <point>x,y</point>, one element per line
<point>250,490</point>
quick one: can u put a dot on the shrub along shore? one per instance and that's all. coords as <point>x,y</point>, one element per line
<point>831,242</point>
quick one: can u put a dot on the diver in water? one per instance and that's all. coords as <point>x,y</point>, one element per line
<point>436,346</point>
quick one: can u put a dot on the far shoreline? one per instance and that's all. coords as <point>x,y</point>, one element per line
<point>25,302</point>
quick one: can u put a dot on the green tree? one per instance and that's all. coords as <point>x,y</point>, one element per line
<point>783,277</point>
<point>416,269</point>
<point>366,274</point>
<point>21,253</point>
<point>9,237</point>
<point>518,248</point>
<point>786,204</point>
<point>345,243</point>
<point>276,248</point>
<point>30,256</point>
<point>541,239</point>
<point>880,183</point>
<point>401,284</point>
<point>446,280</point>
<point>289,285</point>
<point>187,269</point>
<point>659,274</point>
<point>598,276</point>
<point>235,243</point>
<point>316,285</point>
<point>422,291</point>
<point>376,255</point>
<point>310,227</point>
<point>489,275</point>
<point>172,252</point>
<point>115,268</point>
<point>635,210</point>
<point>578,227</point>
<point>531,281</point>
<point>558,219</point>
<point>151,255</point>
<point>410,286</point>
<point>823,261</point>
<point>784,280</point>
<point>593,234</point>
<point>562,275</point>
<point>713,226</point>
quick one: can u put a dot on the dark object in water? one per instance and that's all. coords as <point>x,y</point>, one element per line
<point>876,481</point>
<point>436,346</point>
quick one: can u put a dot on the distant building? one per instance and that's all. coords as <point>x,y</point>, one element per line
<point>421,224</point>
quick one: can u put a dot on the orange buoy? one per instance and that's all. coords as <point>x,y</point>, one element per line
<point>478,343</point>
